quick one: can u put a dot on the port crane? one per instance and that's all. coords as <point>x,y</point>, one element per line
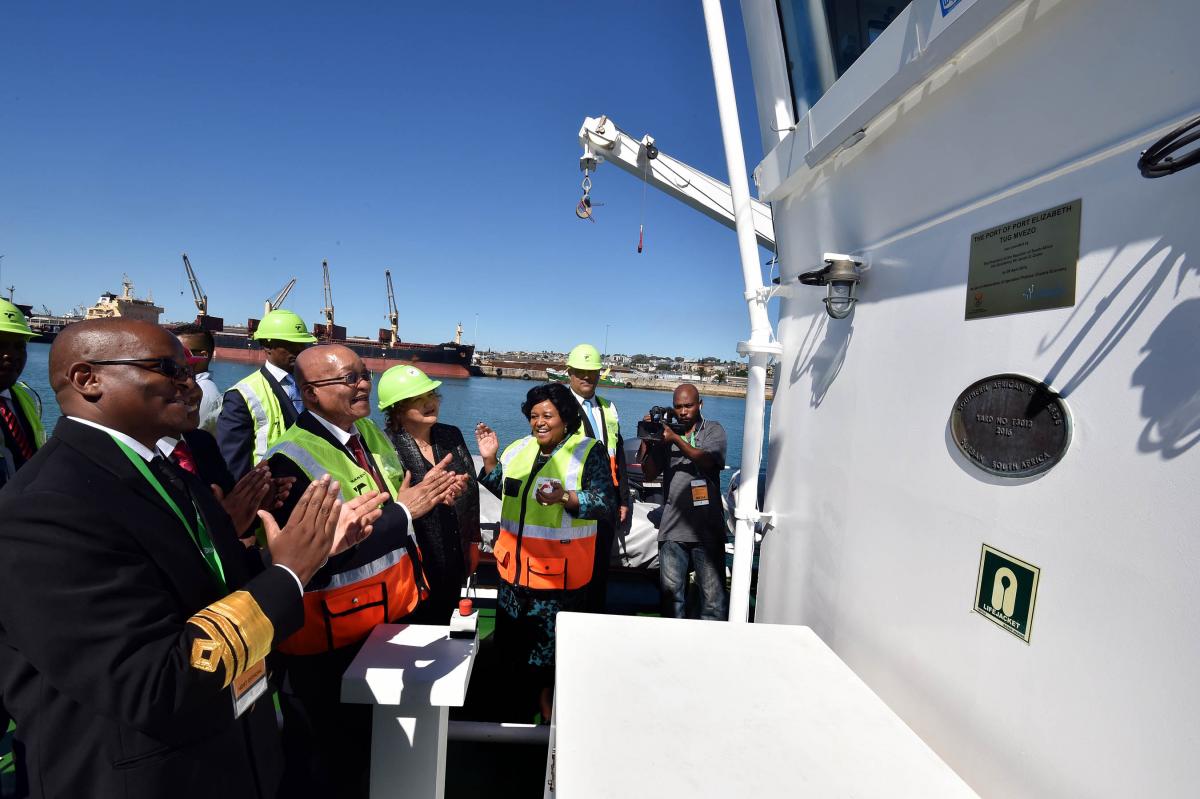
<point>327,311</point>
<point>603,141</point>
<point>198,295</point>
<point>393,314</point>
<point>271,304</point>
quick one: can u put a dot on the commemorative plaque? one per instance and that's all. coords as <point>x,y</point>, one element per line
<point>1011,426</point>
<point>1027,264</point>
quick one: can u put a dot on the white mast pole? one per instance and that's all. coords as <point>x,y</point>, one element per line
<point>761,345</point>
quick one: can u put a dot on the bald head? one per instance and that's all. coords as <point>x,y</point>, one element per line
<point>103,339</point>
<point>321,372</point>
<point>323,361</point>
<point>136,398</point>
<point>686,391</point>
<point>687,403</point>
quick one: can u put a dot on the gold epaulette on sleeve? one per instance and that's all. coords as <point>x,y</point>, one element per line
<point>239,635</point>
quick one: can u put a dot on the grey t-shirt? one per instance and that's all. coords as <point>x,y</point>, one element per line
<point>683,520</point>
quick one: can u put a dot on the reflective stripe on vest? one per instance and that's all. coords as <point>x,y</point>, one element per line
<point>342,616</point>
<point>264,409</point>
<point>544,547</point>
<point>356,600</point>
<point>31,409</point>
<point>612,425</point>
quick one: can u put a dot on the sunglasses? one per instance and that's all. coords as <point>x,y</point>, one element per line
<point>352,379</point>
<point>166,366</point>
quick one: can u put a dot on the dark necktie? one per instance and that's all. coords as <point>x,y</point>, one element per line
<point>173,482</point>
<point>183,458</point>
<point>13,425</point>
<point>360,455</point>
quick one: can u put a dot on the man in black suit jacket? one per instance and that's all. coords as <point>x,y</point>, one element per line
<point>245,435</point>
<point>236,427</point>
<point>123,627</point>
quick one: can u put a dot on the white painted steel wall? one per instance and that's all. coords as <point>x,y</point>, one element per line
<point>879,518</point>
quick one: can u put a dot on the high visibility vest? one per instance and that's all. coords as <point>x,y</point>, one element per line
<point>612,430</point>
<point>539,546</point>
<point>31,409</point>
<point>269,422</point>
<point>355,601</point>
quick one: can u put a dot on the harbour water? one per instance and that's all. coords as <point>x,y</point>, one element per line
<point>465,402</point>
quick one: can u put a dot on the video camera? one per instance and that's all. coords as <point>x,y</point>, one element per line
<point>659,416</point>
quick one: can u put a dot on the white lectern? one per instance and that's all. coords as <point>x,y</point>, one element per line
<point>413,674</point>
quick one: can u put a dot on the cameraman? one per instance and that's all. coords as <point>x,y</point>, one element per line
<point>691,534</point>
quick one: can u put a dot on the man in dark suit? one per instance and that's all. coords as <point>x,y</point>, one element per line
<point>256,411</point>
<point>329,743</point>
<point>21,430</point>
<point>133,626</point>
<point>600,422</point>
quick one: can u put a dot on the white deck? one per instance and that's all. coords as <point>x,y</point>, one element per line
<point>678,708</point>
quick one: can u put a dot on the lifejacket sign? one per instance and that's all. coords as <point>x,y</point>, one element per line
<point>1006,591</point>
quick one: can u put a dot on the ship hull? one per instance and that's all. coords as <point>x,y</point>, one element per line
<point>439,360</point>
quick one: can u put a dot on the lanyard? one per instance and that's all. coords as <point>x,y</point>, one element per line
<point>199,534</point>
<point>690,438</point>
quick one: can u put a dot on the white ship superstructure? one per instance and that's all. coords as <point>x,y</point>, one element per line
<point>927,160</point>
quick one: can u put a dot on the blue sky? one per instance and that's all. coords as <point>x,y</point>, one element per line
<point>435,140</point>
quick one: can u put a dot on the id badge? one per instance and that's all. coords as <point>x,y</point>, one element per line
<point>699,493</point>
<point>249,686</point>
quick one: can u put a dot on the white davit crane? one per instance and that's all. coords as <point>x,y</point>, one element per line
<point>198,295</point>
<point>272,303</point>
<point>603,141</point>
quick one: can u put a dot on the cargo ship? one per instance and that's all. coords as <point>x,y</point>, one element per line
<point>47,325</point>
<point>235,343</point>
<point>447,359</point>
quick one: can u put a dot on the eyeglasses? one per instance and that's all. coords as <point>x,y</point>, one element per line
<point>352,379</point>
<point>166,366</point>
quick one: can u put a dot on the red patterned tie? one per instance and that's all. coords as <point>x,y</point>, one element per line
<point>360,455</point>
<point>182,455</point>
<point>15,430</point>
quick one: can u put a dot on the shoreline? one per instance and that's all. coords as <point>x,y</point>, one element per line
<point>512,373</point>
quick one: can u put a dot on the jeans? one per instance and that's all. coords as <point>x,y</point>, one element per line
<point>675,560</point>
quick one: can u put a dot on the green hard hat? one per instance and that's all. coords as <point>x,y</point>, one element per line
<point>13,321</point>
<point>280,325</point>
<point>585,357</point>
<point>403,382</point>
